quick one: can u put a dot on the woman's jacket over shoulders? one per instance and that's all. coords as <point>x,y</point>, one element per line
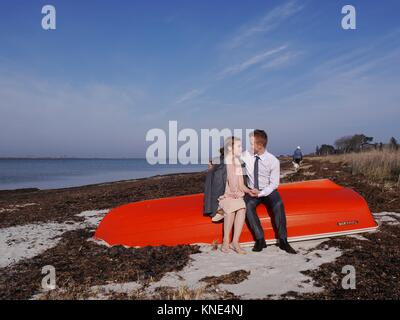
<point>214,187</point>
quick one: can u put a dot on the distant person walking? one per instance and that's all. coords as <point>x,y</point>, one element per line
<point>297,158</point>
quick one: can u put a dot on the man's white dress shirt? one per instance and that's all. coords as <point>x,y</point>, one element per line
<point>268,171</point>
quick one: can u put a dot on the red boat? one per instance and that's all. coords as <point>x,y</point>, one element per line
<point>314,209</point>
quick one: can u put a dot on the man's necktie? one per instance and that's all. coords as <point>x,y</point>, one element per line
<point>256,185</point>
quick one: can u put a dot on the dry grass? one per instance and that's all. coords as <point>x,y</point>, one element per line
<point>181,293</point>
<point>76,292</point>
<point>378,166</point>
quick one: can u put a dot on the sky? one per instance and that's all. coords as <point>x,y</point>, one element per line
<point>113,70</point>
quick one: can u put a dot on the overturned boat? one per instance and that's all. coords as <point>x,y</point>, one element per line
<point>314,209</point>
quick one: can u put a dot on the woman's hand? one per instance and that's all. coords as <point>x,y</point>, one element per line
<point>246,190</point>
<point>233,195</point>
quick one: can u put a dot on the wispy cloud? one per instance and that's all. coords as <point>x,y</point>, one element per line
<point>189,95</point>
<point>279,57</point>
<point>254,60</point>
<point>269,22</point>
<point>281,60</point>
<point>246,34</point>
<point>355,76</point>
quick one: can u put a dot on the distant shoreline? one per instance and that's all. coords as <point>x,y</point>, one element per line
<point>69,174</point>
<point>83,158</point>
<point>34,189</point>
<point>281,156</point>
<point>66,158</point>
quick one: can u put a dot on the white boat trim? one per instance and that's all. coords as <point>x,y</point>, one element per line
<point>310,237</point>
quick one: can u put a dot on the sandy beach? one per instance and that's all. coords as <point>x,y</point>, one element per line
<point>55,227</point>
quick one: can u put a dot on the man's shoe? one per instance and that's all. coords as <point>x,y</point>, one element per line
<point>259,245</point>
<point>284,245</point>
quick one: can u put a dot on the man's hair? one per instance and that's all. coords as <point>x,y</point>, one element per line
<point>260,136</point>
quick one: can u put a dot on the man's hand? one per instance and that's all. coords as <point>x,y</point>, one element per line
<point>254,192</point>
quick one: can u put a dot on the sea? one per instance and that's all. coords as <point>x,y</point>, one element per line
<point>62,173</point>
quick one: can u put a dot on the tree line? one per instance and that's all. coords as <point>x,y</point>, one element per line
<point>355,143</point>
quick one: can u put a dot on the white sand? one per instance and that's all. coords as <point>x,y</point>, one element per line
<point>101,292</point>
<point>12,208</point>
<point>27,241</point>
<point>387,217</point>
<point>273,272</point>
<point>358,237</point>
<point>17,243</point>
<point>93,217</point>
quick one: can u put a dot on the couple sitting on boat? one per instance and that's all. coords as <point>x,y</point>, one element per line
<point>227,196</point>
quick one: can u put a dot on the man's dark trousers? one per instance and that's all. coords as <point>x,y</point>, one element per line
<point>274,202</point>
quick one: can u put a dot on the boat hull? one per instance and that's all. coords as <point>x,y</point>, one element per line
<point>314,209</point>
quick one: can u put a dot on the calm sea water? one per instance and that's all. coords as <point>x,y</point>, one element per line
<point>61,173</point>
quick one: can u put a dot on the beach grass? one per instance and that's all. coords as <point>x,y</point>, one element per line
<point>377,166</point>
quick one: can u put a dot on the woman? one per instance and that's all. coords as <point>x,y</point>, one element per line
<point>224,194</point>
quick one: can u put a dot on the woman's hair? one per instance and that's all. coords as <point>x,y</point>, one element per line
<point>229,144</point>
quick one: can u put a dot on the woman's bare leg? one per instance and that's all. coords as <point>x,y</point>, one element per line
<point>239,222</point>
<point>228,223</point>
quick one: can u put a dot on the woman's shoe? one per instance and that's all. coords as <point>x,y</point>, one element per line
<point>217,217</point>
<point>224,249</point>
<point>237,249</point>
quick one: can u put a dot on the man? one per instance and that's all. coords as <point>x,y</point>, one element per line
<point>263,174</point>
<point>297,158</point>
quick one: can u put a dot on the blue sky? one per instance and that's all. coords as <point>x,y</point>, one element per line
<point>112,70</point>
